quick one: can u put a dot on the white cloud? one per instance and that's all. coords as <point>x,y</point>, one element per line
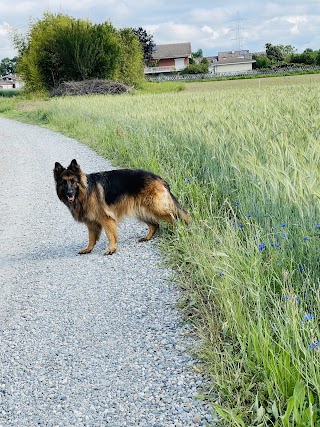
<point>205,25</point>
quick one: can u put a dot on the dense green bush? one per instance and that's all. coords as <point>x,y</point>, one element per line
<point>60,48</point>
<point>201,68</point>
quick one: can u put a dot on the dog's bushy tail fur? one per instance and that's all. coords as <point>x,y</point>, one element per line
<point>179,211</point>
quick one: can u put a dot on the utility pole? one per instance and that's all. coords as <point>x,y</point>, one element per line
<point>238,32</point>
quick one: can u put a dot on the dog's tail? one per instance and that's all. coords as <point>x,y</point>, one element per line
<point>179,211</point>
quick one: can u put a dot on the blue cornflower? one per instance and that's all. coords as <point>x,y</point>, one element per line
<point>305,239</point>
<point>292,297</point>
<point>261,247</point>
<point>249,216</point>
<point>278,247</point>
<point>241,226</point>
<point>283,225</point>
<point>221,274</point>
<point>318,226</point>
<point>238,203</point>
<point>308,316</point>
<point>272,244</point>
<point>300,267</point>
<point>313,345</point>
<point>234,224</point>
<point>188,180</point>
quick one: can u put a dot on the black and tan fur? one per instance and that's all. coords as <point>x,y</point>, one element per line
<point>101,200</point>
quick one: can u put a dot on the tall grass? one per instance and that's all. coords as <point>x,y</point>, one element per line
<point>246,166</point>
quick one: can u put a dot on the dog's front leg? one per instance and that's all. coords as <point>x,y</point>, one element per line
<point>94,231</point>
<point>111,229</point>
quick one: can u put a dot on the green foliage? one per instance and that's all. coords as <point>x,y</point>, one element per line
<point>131,63</point>
<point>308,57</point>
<point>147,44</point>
<point>8,66</point>
<point>202,68</point>
<point>60,48</point>
<point>198,54</point>
<point>9,93</point>
<point>262,61</point>
<point>274,53</point>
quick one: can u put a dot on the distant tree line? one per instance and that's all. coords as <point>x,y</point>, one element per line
<point>60,48</point>
<point>281,55</point>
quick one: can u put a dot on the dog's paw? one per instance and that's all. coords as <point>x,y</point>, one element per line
<point>84,251</point>
<point>109,252</point>
<point>143,239</point>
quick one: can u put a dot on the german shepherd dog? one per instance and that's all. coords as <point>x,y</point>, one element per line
<point>102,199</point>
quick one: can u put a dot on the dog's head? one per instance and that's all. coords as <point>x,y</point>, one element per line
<point>67,181</point>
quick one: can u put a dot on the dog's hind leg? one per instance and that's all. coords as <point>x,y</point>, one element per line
<point>94,231</point>
<point>153,227</point>
<point>111,229</point>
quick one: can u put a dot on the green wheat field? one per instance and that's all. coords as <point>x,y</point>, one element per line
<point>244,160</point>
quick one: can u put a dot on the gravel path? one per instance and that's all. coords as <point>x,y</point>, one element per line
<point>84,340</point>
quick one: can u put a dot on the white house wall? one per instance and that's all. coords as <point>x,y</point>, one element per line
<point>232,68</point>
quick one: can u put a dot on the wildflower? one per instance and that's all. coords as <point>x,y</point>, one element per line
<point>249,216</point>
<point>292,298</point>
<point>318,226</point>
<point>238,203</point>
<point>272,244</point>
<point>221,274</point>
<point>308,316</point>
<point>261,247</point>
<point>305,239</point>
<point>300,267</point>
<point>241,226</point>
<point>283,225</point>
<point>234,224</point>
<point>278,247</point>
<point>188,180</point>
<point>313,345</point>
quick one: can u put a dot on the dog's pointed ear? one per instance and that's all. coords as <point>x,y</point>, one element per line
<point>74,167</point>
<point>58,169</point>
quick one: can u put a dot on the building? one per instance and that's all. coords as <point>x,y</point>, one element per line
<point>170,58</point>
<point>233,61</point>
<point>10,81</point>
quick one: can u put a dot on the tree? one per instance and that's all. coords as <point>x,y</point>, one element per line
<point>261,61</point>
<point>8,66</point>
<point>201,68</point>
<point>197,54</point>
<point>286,49</point>
<point>147,44</point>
<point>131,63</point>
<point>274,52</point>
<point>60,48</point>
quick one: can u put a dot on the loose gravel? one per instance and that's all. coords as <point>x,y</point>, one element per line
<point>85,340</point>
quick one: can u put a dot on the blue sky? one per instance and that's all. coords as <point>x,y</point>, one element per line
<point>212,26</point>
